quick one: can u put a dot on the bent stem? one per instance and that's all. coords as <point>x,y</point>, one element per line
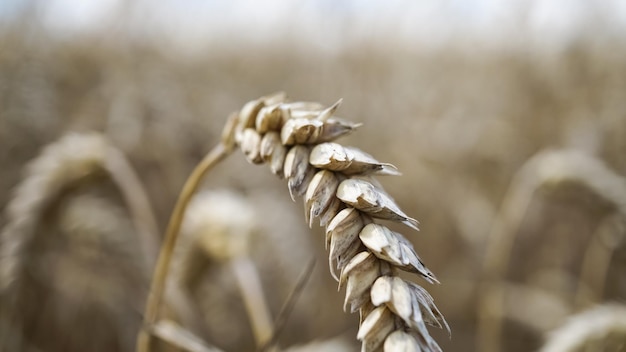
<point>136,200</point>
<point>217,154</point>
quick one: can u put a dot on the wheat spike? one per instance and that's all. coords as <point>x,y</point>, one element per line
<point>333,180</point>
<point>547,169</point>
<point>218,229</point>
<point>345,213</point>
<point>64,247</point>
<point>72,159</point>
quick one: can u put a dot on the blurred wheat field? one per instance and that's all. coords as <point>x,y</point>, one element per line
<point>512,160</point>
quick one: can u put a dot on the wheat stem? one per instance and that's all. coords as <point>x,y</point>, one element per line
<point>247,278</point>
<point>137,201</point>
<point>216,155</point>
<point>596,262</point>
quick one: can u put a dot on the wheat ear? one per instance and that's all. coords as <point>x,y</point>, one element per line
<point>295,139</point>
<point>72,159</point>
<point>218,227</point>
<point>548,168</point>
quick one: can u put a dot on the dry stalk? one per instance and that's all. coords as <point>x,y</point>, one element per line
<point>607,238</point>
<point>159,279</point>
<point>546,169</point>
<point>283,315</point>
<point>295,139</point>
<point>247,278</point>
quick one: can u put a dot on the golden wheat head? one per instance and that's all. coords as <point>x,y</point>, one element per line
<point>64,247</point>
<point>296,140</point>
<point>216,232</point>
<point>61,165</point>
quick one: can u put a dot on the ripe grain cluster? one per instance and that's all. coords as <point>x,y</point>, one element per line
<point>296,140</point>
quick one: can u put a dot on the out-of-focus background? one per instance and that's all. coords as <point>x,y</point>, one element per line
<point>507,120</point>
